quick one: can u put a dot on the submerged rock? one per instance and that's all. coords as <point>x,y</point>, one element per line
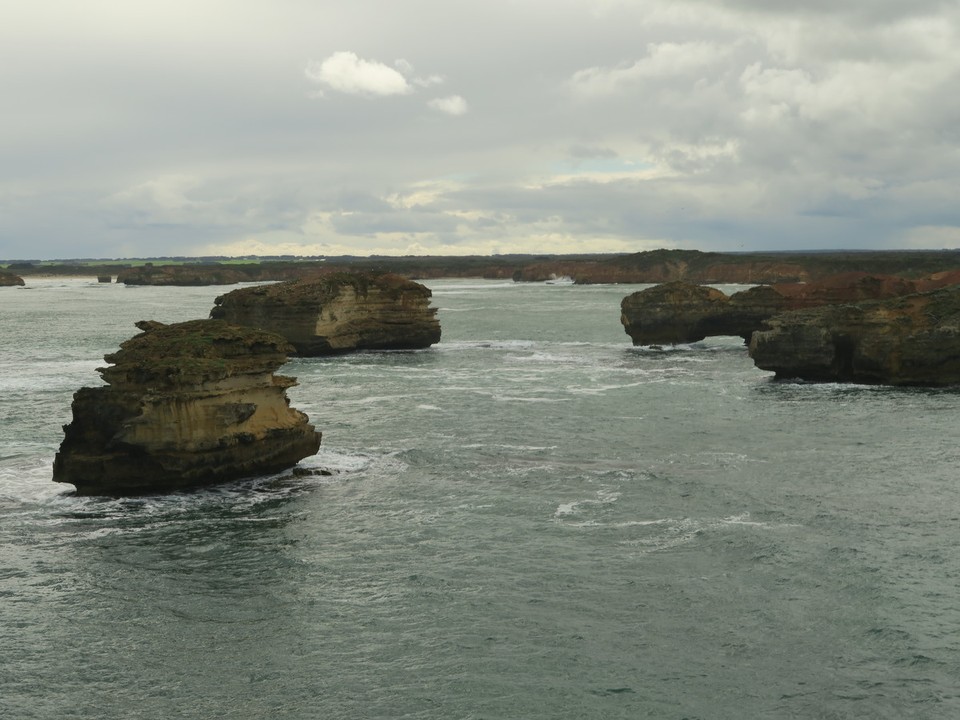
<point>338,312</point>
<point>911,340</point>
<point>186,404</point>
<point>8,279</point>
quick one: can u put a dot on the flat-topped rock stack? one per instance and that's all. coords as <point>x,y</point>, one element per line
<point>681,312</point>
<point>185,404</point>
<point>911,340</point>
<point>338,312</point>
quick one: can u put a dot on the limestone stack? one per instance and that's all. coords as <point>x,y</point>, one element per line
<point>682,312</point>
<point>910,340</point>
<point>186,404</point>
<point>338,312</point>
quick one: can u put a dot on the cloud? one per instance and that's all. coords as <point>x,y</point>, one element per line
<point>408,70</point>
<point>663,60</point>
<point>933,238</point>
<point>599,125</point>
<point>452,105</point>
<point>347,73</point>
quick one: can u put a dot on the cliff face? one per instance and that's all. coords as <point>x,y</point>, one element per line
<point>693,266</point>
<point>338,312</point>
<point>8,279</point>
<point>186,404</point>
<point>912,340</point>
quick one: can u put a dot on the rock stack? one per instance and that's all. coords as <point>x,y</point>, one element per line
<point>911,340</point>
<point>338,312</point>
<point>682,312</point>
<point>186,404</point>
<point>8,279</point>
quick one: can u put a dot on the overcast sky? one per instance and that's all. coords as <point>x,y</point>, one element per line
<point>306,127</point>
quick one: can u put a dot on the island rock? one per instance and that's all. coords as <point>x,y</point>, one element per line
<point>681,312</point>
<point>186,404</point>
<point>8,279</point>
<point>910,340</point>
<point>675,312</point>
<point>338,312</point>
<point>182,275</point>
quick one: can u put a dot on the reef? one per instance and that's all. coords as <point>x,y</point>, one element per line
<point>910,340</point>
<point>681,312</point>
<point>185,404</point>
<point>338,312</point>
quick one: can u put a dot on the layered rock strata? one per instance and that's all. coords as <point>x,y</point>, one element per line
<point>680,312</point>
<point>186,404</point>
<point>338,312</point>
<point>911,340</point>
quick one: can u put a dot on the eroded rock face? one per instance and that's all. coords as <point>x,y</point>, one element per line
<point>675,312</point>
<point>186,404</point>
<point>338,312</point>
<point>8,279</point>
<point>911,340</point>
<point>681,312</point>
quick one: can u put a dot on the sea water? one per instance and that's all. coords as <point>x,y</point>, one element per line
<point>531,519</point>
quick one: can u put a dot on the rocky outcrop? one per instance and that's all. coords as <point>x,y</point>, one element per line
<point>338,312</point>
<point>674,312</point>
<point>911,340</point>
<point>8,279</point>
<point>182,275</point>
<point>186,404</point>
<point>680,312</point>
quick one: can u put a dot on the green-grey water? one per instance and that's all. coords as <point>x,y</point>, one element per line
<point>531,519</point>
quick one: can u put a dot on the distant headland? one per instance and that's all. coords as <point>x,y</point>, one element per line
<point>655,266</point>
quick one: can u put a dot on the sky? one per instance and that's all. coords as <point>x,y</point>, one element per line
<point>135,128</point>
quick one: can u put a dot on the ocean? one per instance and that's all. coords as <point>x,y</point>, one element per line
<point>531,519</point>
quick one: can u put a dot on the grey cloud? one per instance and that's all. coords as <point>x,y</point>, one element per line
<point>796,125</point>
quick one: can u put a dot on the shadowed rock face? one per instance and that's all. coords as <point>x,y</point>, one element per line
<point>912,340</point>
<point>338,312</point>
<point>8,279</point>
<point>186,404</point>
<point>680,312</point>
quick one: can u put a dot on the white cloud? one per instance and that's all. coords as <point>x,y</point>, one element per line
<point>663,60</point>
<point>348,73</point>
<point>452,105</point>
<point>408,70</point>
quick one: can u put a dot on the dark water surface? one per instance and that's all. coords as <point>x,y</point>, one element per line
<point>530,520</point>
